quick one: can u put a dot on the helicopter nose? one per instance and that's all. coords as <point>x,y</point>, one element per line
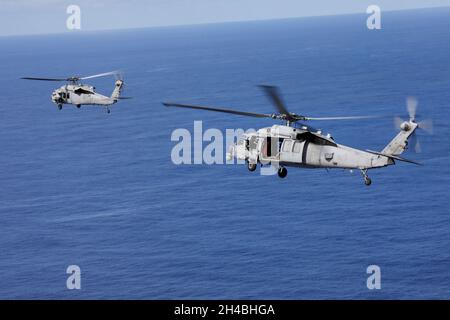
<point>55,96</point>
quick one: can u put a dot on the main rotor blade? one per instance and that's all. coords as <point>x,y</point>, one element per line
<point>344,118</point>
<point>241,113</point>
<point>411,104</point>
<point>42,79</point>
<point>100,75</point>
<point>275,97</point>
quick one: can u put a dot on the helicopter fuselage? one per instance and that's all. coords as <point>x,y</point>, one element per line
<point>287,146</point>
<point>79,94</point>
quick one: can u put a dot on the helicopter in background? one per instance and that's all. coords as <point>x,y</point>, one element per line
<point>78,94</point>
<point>297,145</point>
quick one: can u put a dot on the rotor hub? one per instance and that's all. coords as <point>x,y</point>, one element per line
<point>405,126</point>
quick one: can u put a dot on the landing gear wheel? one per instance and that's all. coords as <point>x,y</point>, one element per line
<point>282,172</point>
<point>367,180</point>
<point>59,106</point>
<point>78,106</point>
<point>108,111</point>
<point>251,167</point>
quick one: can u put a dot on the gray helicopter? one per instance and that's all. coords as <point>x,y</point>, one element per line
<point>298,145</point>
<point>78,94</point>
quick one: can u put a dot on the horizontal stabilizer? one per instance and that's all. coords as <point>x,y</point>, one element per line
<point>394,157</point>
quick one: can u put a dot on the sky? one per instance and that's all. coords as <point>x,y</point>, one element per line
<point>20,17</point>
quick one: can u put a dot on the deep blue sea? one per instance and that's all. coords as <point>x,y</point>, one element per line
<point>100,191</point>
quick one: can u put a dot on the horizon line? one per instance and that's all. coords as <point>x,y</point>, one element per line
<point>78,32</point>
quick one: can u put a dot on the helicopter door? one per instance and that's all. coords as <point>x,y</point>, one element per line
<point>267,150</point>
<point>271,148</point>
<point>286,151</point>
<point>291,152</point>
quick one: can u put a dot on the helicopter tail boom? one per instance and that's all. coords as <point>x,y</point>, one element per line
<point>394,157</point>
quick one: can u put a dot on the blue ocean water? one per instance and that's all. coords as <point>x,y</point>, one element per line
<point>100,191</point>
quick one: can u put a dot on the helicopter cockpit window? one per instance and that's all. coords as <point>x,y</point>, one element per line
<point>80,91</point>
<point>297,147</point>
<point>316,139</point>
<point>287,145</point>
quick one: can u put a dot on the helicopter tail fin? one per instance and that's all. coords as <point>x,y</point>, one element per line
<point>400,143</point>
<point>117,90</point>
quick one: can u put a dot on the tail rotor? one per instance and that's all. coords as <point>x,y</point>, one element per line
<point>405,125</point>
<point>411,106</point>
<point>426,125</point>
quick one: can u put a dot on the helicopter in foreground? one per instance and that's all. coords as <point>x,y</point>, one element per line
<point>298,145</point>
<point>78,94</point>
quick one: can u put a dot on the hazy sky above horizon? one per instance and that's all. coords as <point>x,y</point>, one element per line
<point>49,16</point>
